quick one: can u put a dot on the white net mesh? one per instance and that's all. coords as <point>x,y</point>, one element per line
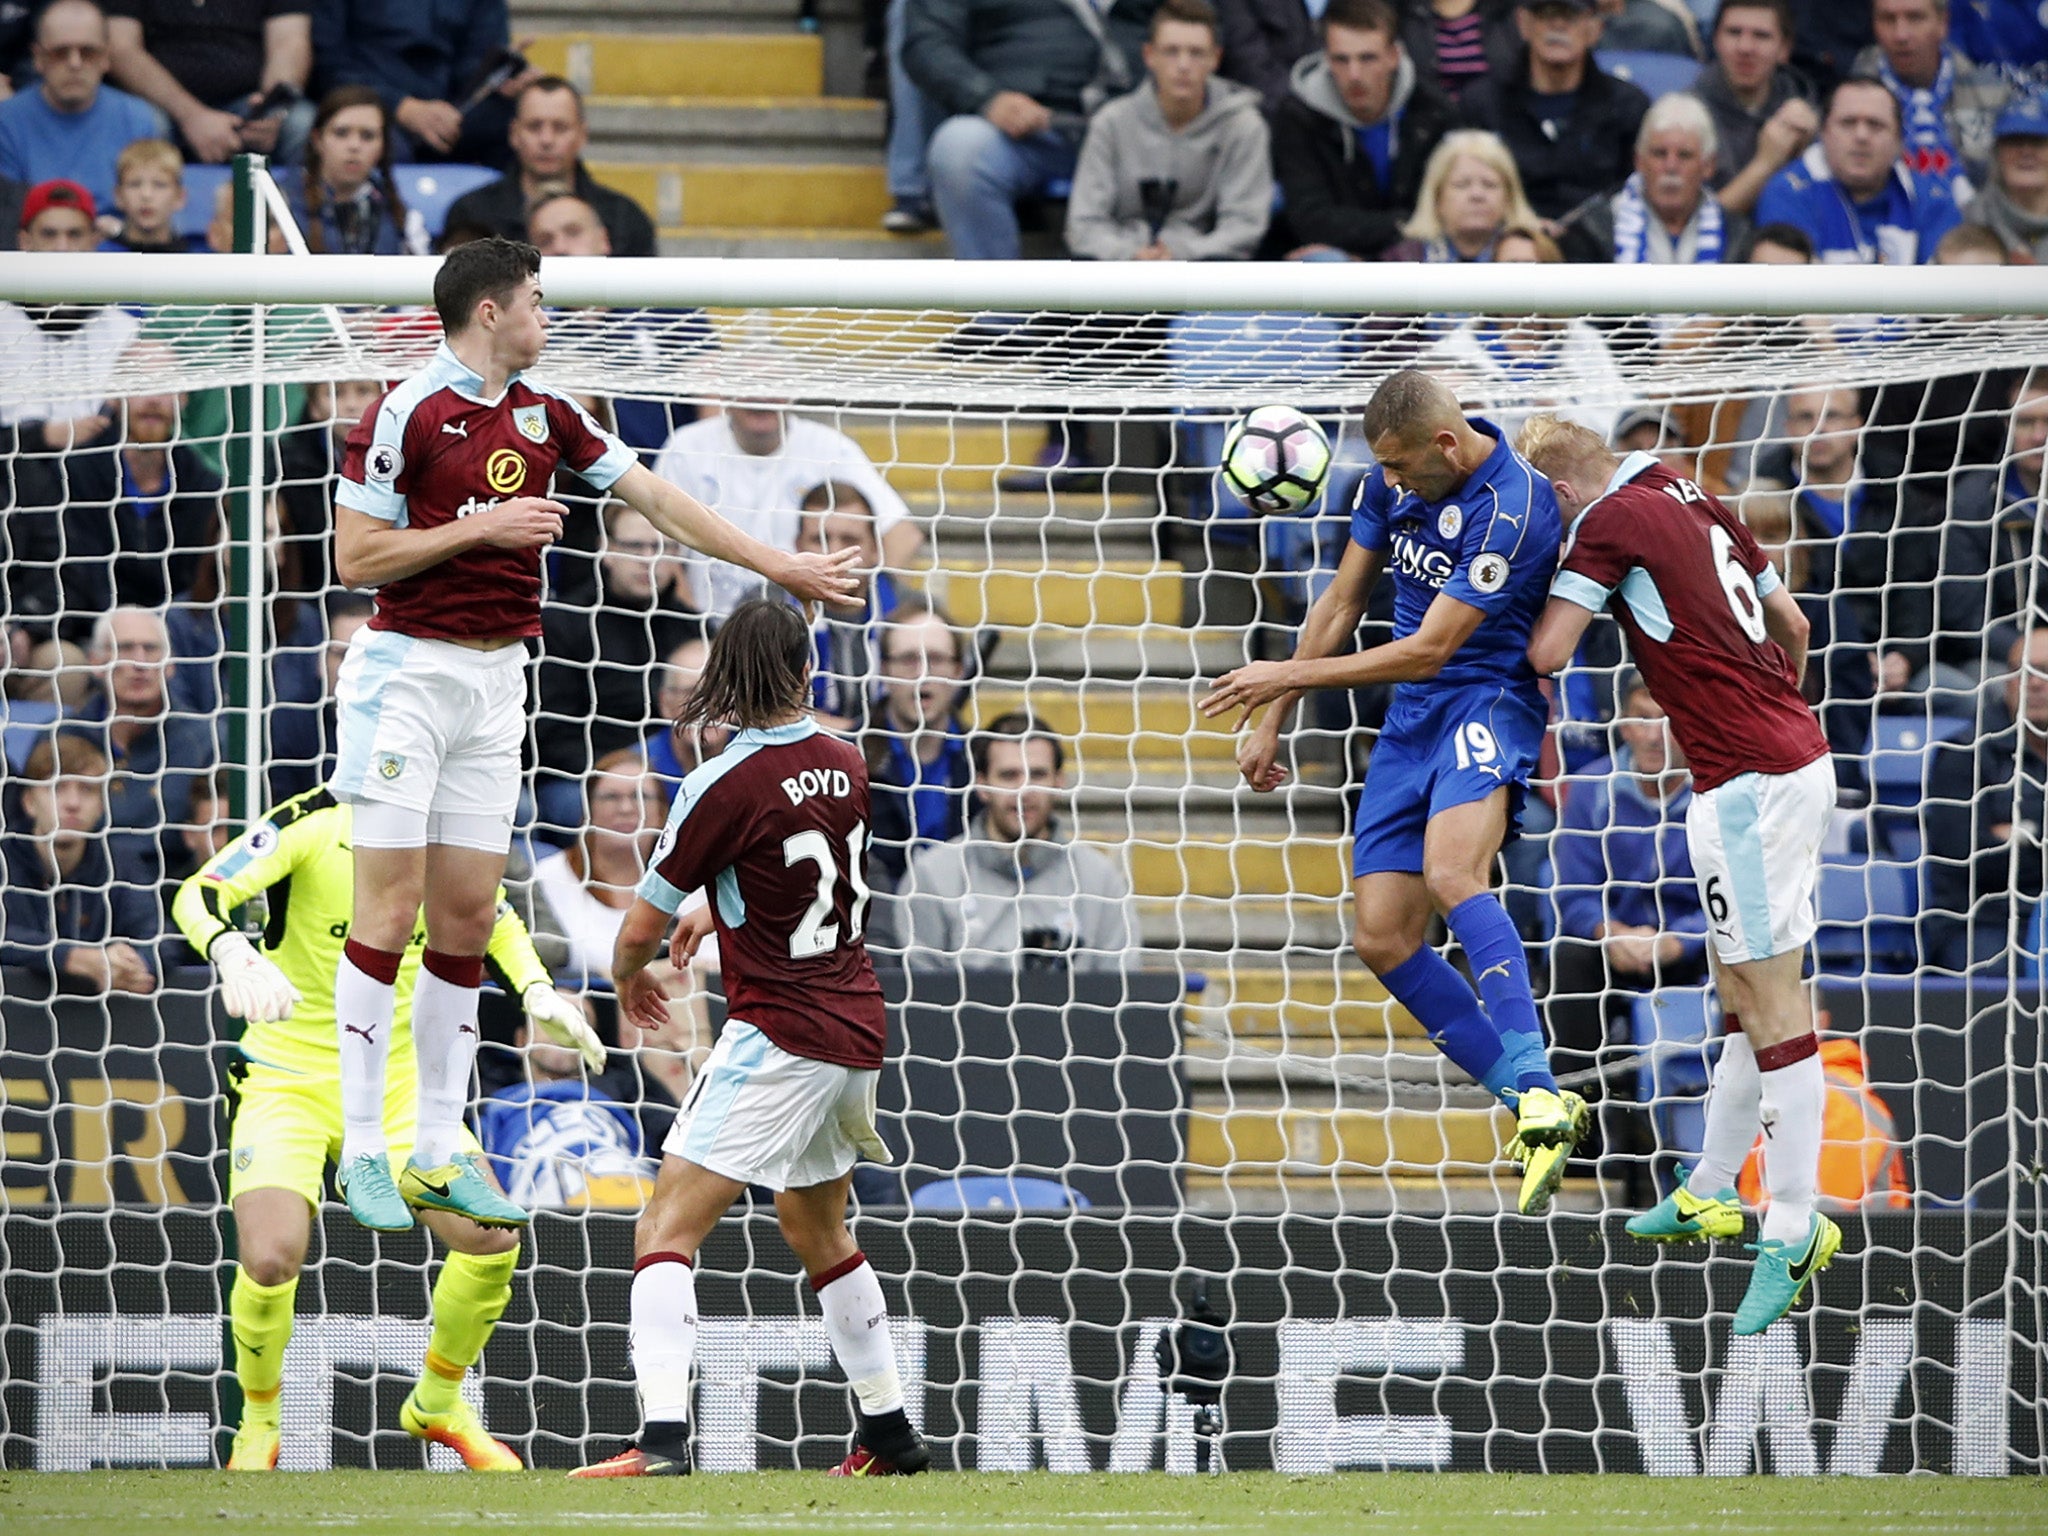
<point>1207,1064</point>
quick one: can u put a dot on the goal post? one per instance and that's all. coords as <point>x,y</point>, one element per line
<point>1234,1098</point>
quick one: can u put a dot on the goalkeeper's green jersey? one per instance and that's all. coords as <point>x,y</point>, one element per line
<point>299,856</point>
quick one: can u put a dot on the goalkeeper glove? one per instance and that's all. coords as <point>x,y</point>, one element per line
<point>562,1022</point>
<point>251,985</point>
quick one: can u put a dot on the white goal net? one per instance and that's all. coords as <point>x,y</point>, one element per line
<point>1138,1079</point>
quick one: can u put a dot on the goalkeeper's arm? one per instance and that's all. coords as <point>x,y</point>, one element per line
<point>517,968</point>
<point>252,987</point>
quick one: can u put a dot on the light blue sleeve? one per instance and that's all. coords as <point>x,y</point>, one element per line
<point>373,475</point>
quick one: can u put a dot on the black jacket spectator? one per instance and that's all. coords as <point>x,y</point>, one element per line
<point>1969,863</point>
<point>43,917</point>
<point>1735,126</point>
<point>600,670</point>
<point>500,207</point>
<point>1594,149</point>
<point>1262,42</point>
<point>116,547</point>
<point>1497,34</point>
<point>216,50</point>
<point>429,50</point>
<point>1333,194</point>
<point>962,52</point>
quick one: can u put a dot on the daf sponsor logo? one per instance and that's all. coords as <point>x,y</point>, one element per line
<point>505,471</point>
<point>1415,559</point>
<point>477,504</point>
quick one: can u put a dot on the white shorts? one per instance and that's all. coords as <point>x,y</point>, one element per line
<point>758,1115</point>
<point>1755,845</point>
<point>431,728</point>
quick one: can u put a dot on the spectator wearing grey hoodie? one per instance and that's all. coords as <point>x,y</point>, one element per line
<point>1016,884</point>
<point>1354,135</point>
<point>1179,169</point>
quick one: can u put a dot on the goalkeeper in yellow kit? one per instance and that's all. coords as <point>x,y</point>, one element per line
<point>287,1117</point>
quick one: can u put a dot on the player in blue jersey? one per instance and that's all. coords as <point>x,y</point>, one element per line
<point>1471,533</point>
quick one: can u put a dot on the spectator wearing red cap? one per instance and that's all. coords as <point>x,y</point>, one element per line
<point>73,124</point>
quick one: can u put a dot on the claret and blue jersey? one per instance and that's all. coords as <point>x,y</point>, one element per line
<point>1477,726</point>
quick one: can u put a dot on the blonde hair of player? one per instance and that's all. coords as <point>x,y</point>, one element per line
<point>1574,459</point>
<point>1489,151</point>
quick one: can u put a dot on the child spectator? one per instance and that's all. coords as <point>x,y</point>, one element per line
<point>149,189</point>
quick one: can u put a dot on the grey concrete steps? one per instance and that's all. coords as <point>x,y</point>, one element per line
<point>770,129</point>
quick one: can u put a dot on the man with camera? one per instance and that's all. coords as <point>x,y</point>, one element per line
<point>1016,886</point>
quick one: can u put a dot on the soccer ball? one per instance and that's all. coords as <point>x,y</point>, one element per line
<point>1276,459</point>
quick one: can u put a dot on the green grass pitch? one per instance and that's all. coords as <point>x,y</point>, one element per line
<point>426,1504</point>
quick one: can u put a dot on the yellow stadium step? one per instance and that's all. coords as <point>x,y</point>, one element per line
<point>1117,723</point>
<point>1316,1005</point>
<point>1227,866</point>
<point>1401,1139</point>
<point>684,64</point>
<point>961,458</point>
<point>683,197</point>
<point>1073,594</point>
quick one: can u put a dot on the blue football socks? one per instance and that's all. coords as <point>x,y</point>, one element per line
<point>1429,987</point>
<point>1494,949</point>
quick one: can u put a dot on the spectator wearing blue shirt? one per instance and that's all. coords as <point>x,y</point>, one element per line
<point>73,125</point>
<point>1851,193</point>
<point>1949,104</point>
<point>74,911</point>
<point>2007,32</point>
<point>1628,908</point>
<point>836,516</point>
<point>918,766</point>
<point>431,63</point>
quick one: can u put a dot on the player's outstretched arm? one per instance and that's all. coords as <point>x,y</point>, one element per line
<point>1555,640</point>
<point>369,552</point>
<point>1332,619</point>
<point>807,578</point>
<point>1446,625</point>
<point>251,985</point>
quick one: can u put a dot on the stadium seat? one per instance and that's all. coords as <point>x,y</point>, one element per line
<point>997,1192</point>
<point>431,190</point>
<point>1899,745</point>
<point>1866,916</point>
<point>1655,74</point>
<point>202,185</point>
<point>1678,1027</point>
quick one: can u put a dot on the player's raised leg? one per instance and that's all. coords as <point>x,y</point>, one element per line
<point>686,1204</point>
<point>469,1297</point>
<point>390,873</point>
<point>272,1227</point>
<point>443,1174</point>
<point>857,1321</point>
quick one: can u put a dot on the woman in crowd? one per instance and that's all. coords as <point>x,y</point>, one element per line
<point>349,203</point>
<point>1471,191</point>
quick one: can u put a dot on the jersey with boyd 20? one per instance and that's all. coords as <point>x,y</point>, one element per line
<point>775,829</point>
<point>433,450</point>
<point>1687,582</point>
<point>1492,543</point>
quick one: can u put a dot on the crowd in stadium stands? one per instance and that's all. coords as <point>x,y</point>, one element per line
<point>1902,516</point>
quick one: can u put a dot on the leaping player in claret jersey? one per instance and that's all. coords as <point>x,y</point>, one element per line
<point>443,508</point>
<point>1722,645</point>
<point>774,830</point>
